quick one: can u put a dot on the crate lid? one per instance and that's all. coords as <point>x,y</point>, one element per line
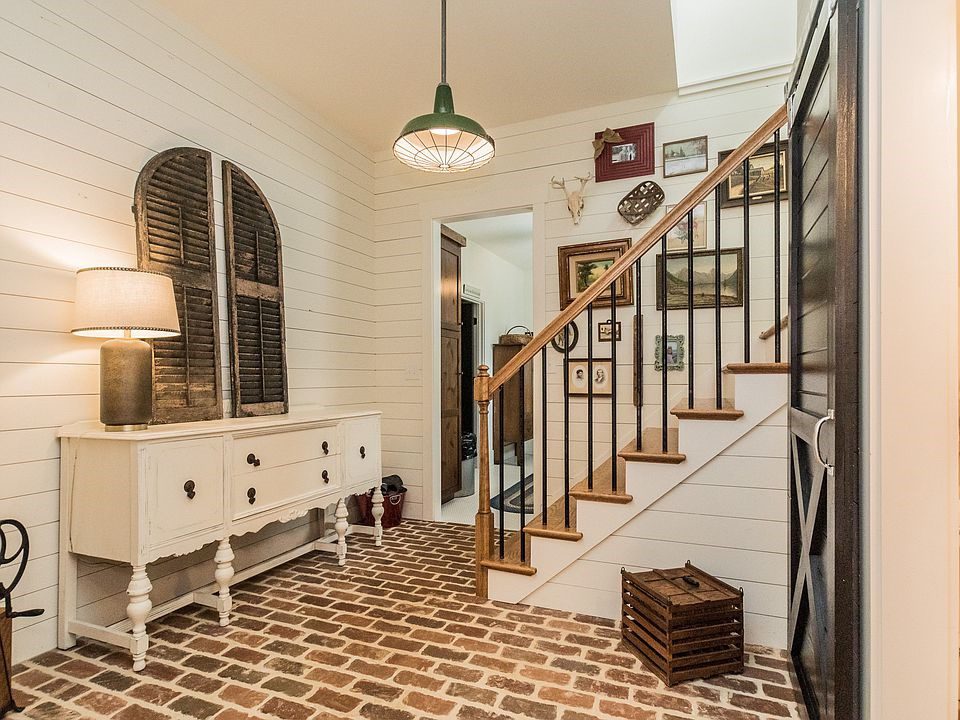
<point>688,585</point>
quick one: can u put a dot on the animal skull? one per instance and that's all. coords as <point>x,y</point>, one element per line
<point>574,197</point>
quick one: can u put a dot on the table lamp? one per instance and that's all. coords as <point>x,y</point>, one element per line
<point>125,305</point>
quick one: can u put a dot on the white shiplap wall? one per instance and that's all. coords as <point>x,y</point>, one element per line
<point>88,93</point>
<point>528,155</point>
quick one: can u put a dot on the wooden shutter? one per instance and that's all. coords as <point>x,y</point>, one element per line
<point>255,295</point>
<point>173,207</point>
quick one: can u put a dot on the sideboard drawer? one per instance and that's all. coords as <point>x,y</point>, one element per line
<point>184,482</point>
<point>361,450</point>
<point>258,453</point>
<point>269,488</point>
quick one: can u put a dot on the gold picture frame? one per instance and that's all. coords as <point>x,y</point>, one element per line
<point>582,265</point>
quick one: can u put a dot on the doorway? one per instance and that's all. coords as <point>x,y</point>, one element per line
<point>825,524</point>
<point>495,300</point>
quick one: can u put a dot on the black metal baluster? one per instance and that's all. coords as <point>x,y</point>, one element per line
<point>590,396</point>
<point>543,431</point>
<point>613,385</point>
<point>716,294</point>
<point>523,466</point>
<point>690,309</point>
<point>566,428</point>
<point>746,260</point>
<point>776,244</point>
<point>663,343</point>
<point>502,463</point>
<point>638,352</point>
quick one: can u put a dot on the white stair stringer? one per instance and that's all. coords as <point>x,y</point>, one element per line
<point>757,396</point>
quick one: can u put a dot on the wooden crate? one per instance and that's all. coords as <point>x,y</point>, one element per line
<point>683,623</point>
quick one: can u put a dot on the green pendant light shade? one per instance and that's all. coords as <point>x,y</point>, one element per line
<point>443,141</point>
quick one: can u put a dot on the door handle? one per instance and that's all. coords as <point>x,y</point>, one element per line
<point>829,417</point>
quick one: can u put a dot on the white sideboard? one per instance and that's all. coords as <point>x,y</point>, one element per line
<point>136,497</point>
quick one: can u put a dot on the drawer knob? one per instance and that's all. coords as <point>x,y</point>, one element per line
<point>325,447</point>
<point>252,495</point>
<point>363,451</point>
<point>190,488</point>
<point>326,476</point>
<point>253,460</point>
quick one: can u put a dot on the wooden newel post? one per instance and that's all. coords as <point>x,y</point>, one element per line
<point>484,521</point>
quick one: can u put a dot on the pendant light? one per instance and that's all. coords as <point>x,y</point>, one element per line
<point>443,141</point>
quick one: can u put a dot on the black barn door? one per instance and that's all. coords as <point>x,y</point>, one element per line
<point>824,354</point>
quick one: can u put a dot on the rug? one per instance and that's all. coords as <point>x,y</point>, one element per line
<point>512,497</point>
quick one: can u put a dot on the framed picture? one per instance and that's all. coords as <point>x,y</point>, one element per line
<point>581,265</point>
<point>684,157</point>
<point>578,373</point>
<point>677,237</point>
<point>675,352</point>
<point>566,339</point>
<point>603,331</point>
<point>704,283</point>
<point>761,178</point>
<point>631,157</point>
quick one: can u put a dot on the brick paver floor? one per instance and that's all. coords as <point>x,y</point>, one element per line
<point>394,635</point>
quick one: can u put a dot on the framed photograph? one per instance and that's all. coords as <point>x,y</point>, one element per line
<point>578,372</point>
<point>631,157</point>
<point>761,178</point>
<point>704,283</point>
<point>684,157</point>
<point>603,331</point>
<point>566,340</point>
<point>674,350</point>
<point>624,152</point>
<point>677,237</point>
<point>581,265</point>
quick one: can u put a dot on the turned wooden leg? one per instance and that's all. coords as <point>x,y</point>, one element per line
<point>377,511</point>
<point>223,575</point>
<point>341,526</point>
<point>137,610</point>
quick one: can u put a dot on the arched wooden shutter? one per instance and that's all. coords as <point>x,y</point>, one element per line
<point>255,294</point>
<point>173,207</point>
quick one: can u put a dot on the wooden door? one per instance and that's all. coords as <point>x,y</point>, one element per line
<point>450,363</point>
<point>824,400</point>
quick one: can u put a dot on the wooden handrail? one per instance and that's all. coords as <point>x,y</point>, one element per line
<point>775,328</point>
<point>484,390</point>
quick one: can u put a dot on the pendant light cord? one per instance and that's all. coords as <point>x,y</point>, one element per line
<point>443,41</point>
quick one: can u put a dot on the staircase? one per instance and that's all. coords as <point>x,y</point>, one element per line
<point>693,443</point>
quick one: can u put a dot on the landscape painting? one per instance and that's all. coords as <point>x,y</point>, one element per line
<point>685,156</point>
<point>704,279</point>
<point>580,266</point>
<point>762,175</point>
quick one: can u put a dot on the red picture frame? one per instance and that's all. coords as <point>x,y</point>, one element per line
<point>631,158</point>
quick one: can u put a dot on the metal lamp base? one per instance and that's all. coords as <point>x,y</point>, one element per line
<point>126,384</point>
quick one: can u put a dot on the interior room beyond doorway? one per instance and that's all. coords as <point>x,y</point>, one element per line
<point>495,297</point>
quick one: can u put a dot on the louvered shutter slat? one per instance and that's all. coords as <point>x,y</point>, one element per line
<point>255,293</point>
<point>173,205</point>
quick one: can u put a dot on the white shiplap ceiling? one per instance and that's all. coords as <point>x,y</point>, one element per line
<point>368,66</point>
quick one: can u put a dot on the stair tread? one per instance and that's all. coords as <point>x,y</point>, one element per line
<point>762,368</point>
<point>555,526</point>
<point>651,447</point>
<point>511,556</point>
<point>706,409</point>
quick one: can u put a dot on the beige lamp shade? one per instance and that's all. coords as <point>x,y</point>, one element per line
<point>124,302</point>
